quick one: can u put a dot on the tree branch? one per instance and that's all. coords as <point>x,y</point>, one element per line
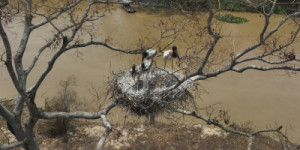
<point>254,67</point>
<point>260,58</point>
<point>264,131</point>
<point>41,50</point>
<point>5,113</point>
<point>55,15</point>
<point>51,23</point>
<point>106,124</point>
<point>22,46</point>
<point>70,6</point>
<point>55,37</point>
<point>85,115</point>
<point>209,20</point>
<point>85,15</point>
<point>233,62</point>
<point>11,146</point>
<point>209,122</point>
<point>266,61</point>
<point>78,115</point>
<point>250,136</point>
<point>112,1</point>
<point>267,20</point>
<point>266,37</point>
<point>19,106</point>
<point>50,66</point>
<point>71,115</point>
<point>137,51</point>
<point>8,61</point>
<point>280,24</point>
<point>212,34</point>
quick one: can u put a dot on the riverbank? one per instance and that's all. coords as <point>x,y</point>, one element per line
<point>83,135</point>
<point>283,7</point>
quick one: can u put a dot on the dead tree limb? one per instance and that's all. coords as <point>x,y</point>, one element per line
<point>106,124</point>
<point>249,135</point>
<point>85,115</point>
<point>236,59</point>
<point>11,146</point>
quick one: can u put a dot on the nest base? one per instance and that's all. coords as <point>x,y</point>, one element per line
<point>146,93</point>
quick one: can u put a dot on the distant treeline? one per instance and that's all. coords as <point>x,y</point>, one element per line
<point>283,6</point>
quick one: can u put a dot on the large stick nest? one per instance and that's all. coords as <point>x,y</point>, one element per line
<point>148,92</point>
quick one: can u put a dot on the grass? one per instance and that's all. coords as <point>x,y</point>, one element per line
<point>231,18</point>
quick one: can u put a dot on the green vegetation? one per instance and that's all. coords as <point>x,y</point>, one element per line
<point>287,7</point>
<point>230,18</point>
<point>282,7</point>
<point>235,5</point>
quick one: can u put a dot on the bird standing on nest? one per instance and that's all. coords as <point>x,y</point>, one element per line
<point>136,71</point>
<point>170,54</point>
<point>149,54</point>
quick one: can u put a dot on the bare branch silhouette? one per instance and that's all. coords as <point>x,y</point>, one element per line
<point>226,129</point>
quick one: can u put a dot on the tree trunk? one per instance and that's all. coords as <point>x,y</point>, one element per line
<point>16,128</point>
<point>31,144</point>
<point>152,118</point>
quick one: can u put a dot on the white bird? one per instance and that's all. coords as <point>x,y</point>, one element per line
<point>149,54</point>
<point>170,54</point>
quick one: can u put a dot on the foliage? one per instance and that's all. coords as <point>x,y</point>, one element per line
<point>234,5</point>
<point>62,102</point>
<point>186,5</point>
<point>192,5</point>
<point>231,18</point>
<point>283,7</point>
<point>287,6</point>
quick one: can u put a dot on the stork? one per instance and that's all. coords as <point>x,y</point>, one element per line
<point>170,54</point>
<point>149,54</point>
<point>137,70</point>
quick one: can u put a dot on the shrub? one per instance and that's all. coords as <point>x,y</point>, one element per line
<point>231,19</point>
<point>61,102</point>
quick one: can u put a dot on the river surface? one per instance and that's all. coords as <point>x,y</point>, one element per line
<point>265,98</point>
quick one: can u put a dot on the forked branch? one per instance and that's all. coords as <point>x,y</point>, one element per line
<point>250,136</point>
<point>86,115</point>
<point>106,124</point>
<point>8,52</point>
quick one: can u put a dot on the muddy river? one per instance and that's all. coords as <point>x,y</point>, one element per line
<point>265,98</point>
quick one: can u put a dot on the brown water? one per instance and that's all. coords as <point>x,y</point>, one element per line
<point>262,97</point>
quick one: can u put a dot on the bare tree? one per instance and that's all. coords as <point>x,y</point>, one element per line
<point>64,37</point>
<point>271,53</point>
<point>67,38</point>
